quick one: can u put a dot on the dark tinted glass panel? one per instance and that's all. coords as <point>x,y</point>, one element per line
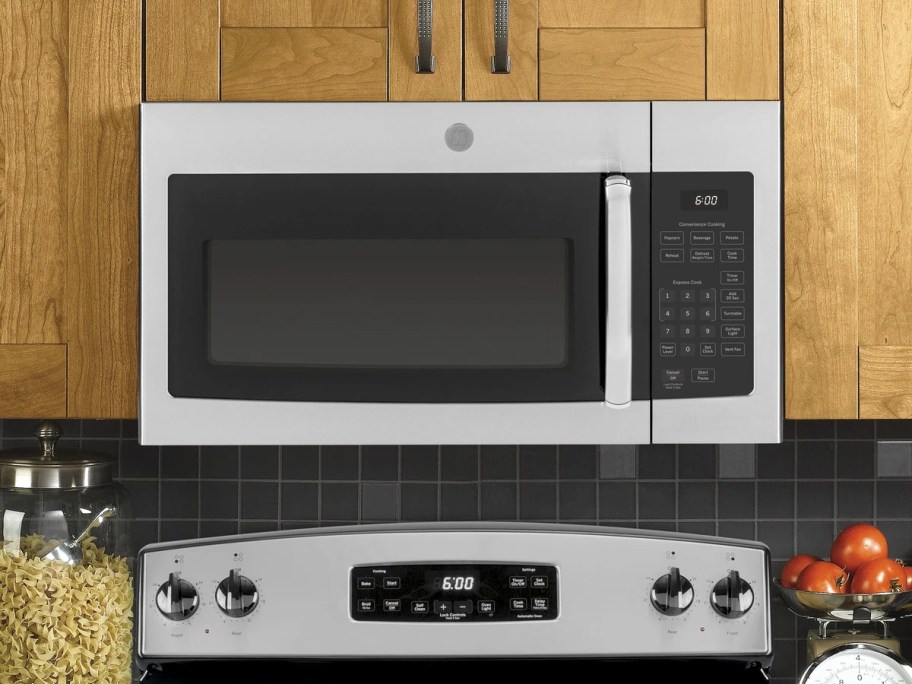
<point>392,303</point>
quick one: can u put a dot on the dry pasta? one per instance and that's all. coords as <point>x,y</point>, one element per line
<point>61,624</point>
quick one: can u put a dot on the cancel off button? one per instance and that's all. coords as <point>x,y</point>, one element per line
<point>703,375</point>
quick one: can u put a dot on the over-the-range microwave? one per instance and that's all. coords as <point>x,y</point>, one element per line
<point>460,273</point>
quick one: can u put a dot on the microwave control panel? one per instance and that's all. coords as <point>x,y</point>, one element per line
<point>481,592</point>
<point>702,284</point>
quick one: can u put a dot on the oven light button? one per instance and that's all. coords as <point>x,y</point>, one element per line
<point>672,593</point>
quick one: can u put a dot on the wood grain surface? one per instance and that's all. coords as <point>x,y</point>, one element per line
<point>304,13</point>
<point>103,252</point>
<point>33,380</point>
<point>33,167</point>
<point>313,64</point>
<point>742,49</point>
<point>522,82</point>
<point>445,84</point>
<point>622,64</point>
<point>885,382</point>
<point>621,13</point>
<point>821,209</point>
<point>182,50</point>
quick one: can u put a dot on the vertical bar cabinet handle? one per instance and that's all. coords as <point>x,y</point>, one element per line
<point>425,62</point>
<point>501,63</point>
<point>618,295</point>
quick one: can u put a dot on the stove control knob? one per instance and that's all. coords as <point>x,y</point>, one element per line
<point>177,598</point>
<point>236,595</point>
<point>672,594</point>
<point>732,596</point>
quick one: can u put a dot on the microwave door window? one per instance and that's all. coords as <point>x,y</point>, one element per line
<point>407,303</point>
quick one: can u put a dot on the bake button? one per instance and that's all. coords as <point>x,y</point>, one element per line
<point>688,349</point>
<point>420,607</point>
<point>392,605</point>
<point>707,313</point>
<point>702,237</point>
<point>365,605</point>
<point>519,604</point>
<point>702,256</point>
<point>688,296</point>
<point>733,331</point>
<point>707,331</point>
<point>366,583</point>
<point>731,237</point>
<point>486,607</point>
<point>733,296</point>
<point>667,332</point>
<point>732,313</point>
<point>539,604</point>
<point>703,375</point>
<point>539,582</point>
<point>707,349</point>
<point>732,278</point>
<point>671,237</point>
<point>518,583</point>
<point>668,296</point>
<point>688,332</point>
<point>463,607</point>
<point>443,607</point>
<point>708,296</point>
<point>731,256</point>
<point>671,256</point>
<point>666,313</point>
<point>687,313</point>
<point>733,349</point>
<point>667,348</point>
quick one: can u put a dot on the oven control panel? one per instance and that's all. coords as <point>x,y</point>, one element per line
<point>702,284</point>
<point>473,592</point>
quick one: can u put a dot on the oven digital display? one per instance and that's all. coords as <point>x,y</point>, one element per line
<point>704,200</point>
<point>443,582</point>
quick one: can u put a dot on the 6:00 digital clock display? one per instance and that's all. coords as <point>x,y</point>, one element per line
<point>440,582</point>
<point>704,200</point>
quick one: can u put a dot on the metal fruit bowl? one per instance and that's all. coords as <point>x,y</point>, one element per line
<point>846,607</point>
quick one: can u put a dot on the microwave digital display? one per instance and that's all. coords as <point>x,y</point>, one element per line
<point>704,200</point>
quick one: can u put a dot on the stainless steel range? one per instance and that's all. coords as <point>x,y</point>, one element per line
<point>294,603</point>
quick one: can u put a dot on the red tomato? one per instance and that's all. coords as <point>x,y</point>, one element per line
<point>794,567</point>
<point>879,576</point>
<point>824,577</point>
<point>908,583</point>
<point>858,544</point>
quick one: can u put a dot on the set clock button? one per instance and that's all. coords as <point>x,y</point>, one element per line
<point>177,599</point>
<point>539,582</point>
<point>672,593</point>
<point>732,596</point>
<point>236,595</point>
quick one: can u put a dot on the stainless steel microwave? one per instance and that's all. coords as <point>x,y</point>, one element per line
<point>460,273</point>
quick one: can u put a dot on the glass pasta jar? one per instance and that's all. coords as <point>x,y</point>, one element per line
<point>66,588</point>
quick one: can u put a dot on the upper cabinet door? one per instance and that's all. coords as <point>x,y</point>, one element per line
<point>514,74</point>
<point>439,76</point>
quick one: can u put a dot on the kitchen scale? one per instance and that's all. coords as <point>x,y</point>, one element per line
<point>853,641</point>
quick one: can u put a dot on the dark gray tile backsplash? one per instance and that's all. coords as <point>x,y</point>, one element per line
<point>793,496</point>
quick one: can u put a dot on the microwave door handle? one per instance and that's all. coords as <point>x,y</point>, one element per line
<point>618,295</point>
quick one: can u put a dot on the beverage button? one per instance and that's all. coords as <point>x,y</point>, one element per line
<point>392,605</point>
<point>539,604</point>
<point>707,349</point>
<point>702,256</point>
<point>665,349</point>
<point>703,375</point>
<point>708,296</point>
<point>486,607</point>
<point>518,583</point>
<point>707,313</point>
<point>733,331</point>
<point>391,583</point>
<point>733,296</point>
<point>519,604</point>
<point>687,313</point>
<point>366,605</point>
<point>732,278</point>
<point>731,256</point>
<point>731,237</point>
<point>671,237</point>
<point>366,583</point>
<point>688,296</point>
<point>462,607</point>
<point>707,331</point>
<point>539,582</point>
<point>443,607</point>
<point>688,349</point>
<point>733,349</point>
<point>671,256</point>
<point>702,237</point>
<point>420,607</point>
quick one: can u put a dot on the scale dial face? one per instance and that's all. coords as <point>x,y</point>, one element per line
<point>858,663</point>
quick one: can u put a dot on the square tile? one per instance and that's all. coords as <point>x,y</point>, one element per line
<point>177,530</point>
<point>144,494</point>
<point>697,461</point>
<point>894,429</point>
<point>259,500</point>
<point>420,463</point>
<point>218,528</point>
<point>816,460</point>
<point>856,460</point>
<point>418,502</point>
<point>219,499</point>
<point>738,461</point>
<point>855,500</point>
<point>379,502</point>
<point>894,459</point>
<point>143,532</point>
<point>260,462</point>
<point>617,461</point>
<point>656,501</point>
<point>697,501</point>
<point>856,429</point>
<point>139,461</point>
<point>893,499</point>
<point>498,462</point>
<point>180,462</point>
<point>816,536</point>
<point>339,462</point>
<point>219,462</point>
<point>577,501</point>
<point>537,462</point>
<point>776,461</point>
<point>92,429</point>
<point>899,536</point>
<point>617,500</point>
<point>179,499</point>
<point>339,501</point>
<point>816,500</point>
<point>816,429</point>
<point>380,463</point>
<point>459,501</point>
<point>657,462</point>
<point>129,429</point>
<point>537,501</point>
<point>458,463</point>
<point>300,462</point>
<point>775,500</point>
<point>737,529</point>
<point>779,536</point>
<point>300,500</point>
<point>737,500</point>
<point>498,501</point>
<point>577,462</point>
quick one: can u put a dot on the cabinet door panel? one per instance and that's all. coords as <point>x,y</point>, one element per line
<point>885,382</point>
<point>622,64</point>
<point>182,50</point>
<point>304,13</point>
<point>445,84</point>
<point>522,81</point>
<point>33,381</point>
<point>314,64</point>
<point>621,13</point>
<point>742,49</point>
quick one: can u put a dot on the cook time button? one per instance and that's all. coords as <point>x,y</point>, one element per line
<point>731,256</point>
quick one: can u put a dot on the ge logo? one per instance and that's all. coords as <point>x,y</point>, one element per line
<point>459,137</point>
